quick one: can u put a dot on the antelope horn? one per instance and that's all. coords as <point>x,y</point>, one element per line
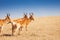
<point>9,14</point>
<point>26,13</point>
<point>32,13</point>
<point>29,13</point>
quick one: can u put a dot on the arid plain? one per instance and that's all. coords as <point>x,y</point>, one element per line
<point>42,28</point>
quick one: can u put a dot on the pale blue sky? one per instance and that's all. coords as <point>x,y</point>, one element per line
<point>39,7</point>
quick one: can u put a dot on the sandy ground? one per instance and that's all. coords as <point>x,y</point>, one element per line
<point>43,28</point>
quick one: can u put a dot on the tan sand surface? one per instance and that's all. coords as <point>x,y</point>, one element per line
<point>42,28</point>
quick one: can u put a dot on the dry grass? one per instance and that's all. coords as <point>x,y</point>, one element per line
<point>43,28</point>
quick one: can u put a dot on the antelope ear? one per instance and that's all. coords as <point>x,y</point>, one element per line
<point>29,13</point>
<point>32,13</point>
<point>26,14</point>
<point>9,14</point>
<point>6,15</point>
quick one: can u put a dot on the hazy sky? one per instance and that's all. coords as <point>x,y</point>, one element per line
<point>16,8</point>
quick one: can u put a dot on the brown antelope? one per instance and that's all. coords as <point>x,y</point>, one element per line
<point>20,22</point>
<point>15,26</point>
<point>25,21</point>
<point>2,21</point>
<point>29,20</point>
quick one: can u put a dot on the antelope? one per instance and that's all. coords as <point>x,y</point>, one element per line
<point>28,20</point>
<point>20,22</point>
<point>15,26</point>
<point>25,21</point>
<point>31,18</point>
<point>2,21</point>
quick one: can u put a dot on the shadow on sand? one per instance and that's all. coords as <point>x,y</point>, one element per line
<point>6,35</point>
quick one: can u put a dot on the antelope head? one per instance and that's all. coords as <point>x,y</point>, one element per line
<point>31,16</point>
